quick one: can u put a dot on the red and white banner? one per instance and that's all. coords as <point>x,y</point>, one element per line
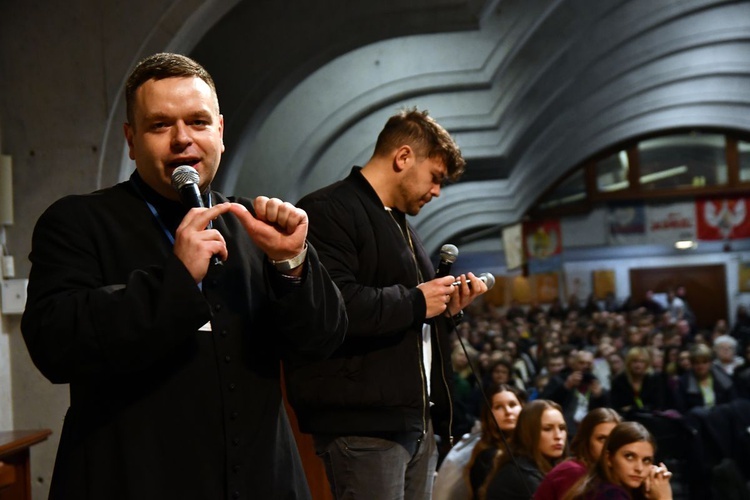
<point>722,219</point>
<point>670,222</point>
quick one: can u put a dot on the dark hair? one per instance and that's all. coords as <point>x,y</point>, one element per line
<point>428,139</point>
<point>490,429</point>
<point>525,441</point>
<point>502,361</point>
<point>623,434</point>
<point>580,446</point>
<point>492,435</point>
<point>158,67</point>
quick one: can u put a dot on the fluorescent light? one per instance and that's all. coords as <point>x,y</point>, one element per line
<point>663,174</point>
<point>685,244</point>
<point>624,163</point>
<point>562,201</point>
<point>615,186</point>
<point>646,179</point>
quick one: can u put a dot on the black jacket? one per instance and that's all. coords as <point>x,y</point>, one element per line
<point>374,382</point>
<point>688,392</point>
<point>158,408</point>
<point>515,481</point>
<point>622,395</point>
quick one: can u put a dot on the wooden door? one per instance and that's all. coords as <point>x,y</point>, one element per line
<point>706,288</point>
<point>314,469</point>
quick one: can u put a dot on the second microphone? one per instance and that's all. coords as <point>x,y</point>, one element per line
<point>487,278</point>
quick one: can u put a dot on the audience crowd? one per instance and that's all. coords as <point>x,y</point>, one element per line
<point>648,361</point>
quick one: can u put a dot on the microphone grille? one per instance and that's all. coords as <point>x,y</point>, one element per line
<point>489,280</point>
<point>449,253</point>
<point>184,175</point>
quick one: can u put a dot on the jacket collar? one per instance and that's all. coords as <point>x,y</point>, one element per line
<point>359,180</point>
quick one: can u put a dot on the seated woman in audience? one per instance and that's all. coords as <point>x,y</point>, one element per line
<point>539,442</point>
<point>725,348</point>
<point>585,448</point>
<point>498,422</point>
<point>500,372</point>
<point>636,388</point>
<point>625,469</point>
<point>705,384</point>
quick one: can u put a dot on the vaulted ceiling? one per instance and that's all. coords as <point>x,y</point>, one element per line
<point>529,89</point>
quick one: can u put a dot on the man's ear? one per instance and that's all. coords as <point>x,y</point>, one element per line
<point>128,130</point>
<point>221,131</point>
<point>403,158</point>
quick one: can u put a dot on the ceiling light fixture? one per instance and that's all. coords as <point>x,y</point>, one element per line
<point>685,244</point>
<point>647,178</point>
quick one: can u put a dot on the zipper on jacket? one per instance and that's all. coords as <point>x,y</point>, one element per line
<point>420,349</point>
<point>420,345</point>
<point>447,388</point>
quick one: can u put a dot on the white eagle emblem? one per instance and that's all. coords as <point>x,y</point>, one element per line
<point>725,219</point>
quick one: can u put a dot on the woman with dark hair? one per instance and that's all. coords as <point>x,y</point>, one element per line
<point>500,372</point>
<point>498,421</point>
<point>625,469</point>
<point>585,449</point>
<point>539,442</point>
<point>674,372</point>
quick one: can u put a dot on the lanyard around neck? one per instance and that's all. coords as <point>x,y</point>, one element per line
<point>406,234</point>
<point>155,212</point>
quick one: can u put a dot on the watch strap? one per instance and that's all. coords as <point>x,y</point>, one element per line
<point>287,265</point>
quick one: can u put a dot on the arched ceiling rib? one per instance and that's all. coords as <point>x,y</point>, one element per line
<point>529,89</point>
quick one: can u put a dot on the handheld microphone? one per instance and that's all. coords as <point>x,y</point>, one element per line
<point>448,255</point>
<point>185,181</point>
<point>487,278</point>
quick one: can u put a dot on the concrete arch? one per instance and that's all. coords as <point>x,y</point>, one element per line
<point>542,86</point>
<point>177,29</point>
